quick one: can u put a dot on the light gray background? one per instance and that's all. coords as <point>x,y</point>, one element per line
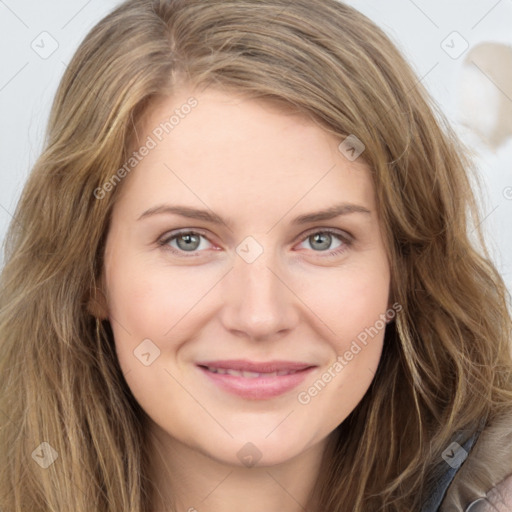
<point>30,30</point>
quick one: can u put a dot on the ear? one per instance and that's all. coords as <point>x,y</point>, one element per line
<point>97,303</point>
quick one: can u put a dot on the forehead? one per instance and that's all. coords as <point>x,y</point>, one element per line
<point>238,154</point>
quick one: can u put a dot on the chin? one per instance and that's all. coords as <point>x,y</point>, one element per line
<point>259,452</point>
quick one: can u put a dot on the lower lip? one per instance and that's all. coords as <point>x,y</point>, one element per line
<point>258,388</point>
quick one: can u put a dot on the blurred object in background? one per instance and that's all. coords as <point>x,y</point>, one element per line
<point>485,93</point>
<point>483,100</point>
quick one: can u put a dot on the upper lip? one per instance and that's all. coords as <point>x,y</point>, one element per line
<point>257,367</point>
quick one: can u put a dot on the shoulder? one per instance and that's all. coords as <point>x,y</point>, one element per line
<point>485,478</point>
<point>498,499</point>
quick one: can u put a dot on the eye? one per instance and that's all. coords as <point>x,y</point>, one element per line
<point>186,241</point>
<point>191,241</point>
<point>322,240</point>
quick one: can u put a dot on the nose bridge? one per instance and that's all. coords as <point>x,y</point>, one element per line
<point>257,302</point>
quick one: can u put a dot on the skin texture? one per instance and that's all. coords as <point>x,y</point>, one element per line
<point>260,167</point>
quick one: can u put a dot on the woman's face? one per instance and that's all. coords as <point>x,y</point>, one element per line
<point>245,241</point>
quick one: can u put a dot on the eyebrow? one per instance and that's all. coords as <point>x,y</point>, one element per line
<point>209,216</point>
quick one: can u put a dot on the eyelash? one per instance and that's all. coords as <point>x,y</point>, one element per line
<point>346,239</point>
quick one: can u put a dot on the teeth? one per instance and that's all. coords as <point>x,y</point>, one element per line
<point>250,375</point>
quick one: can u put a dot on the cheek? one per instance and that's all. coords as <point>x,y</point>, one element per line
<point>148,312</point>
<point>349,301</point>
<point>149,296</point>
<point>356,333</point>
<point>148,301</point>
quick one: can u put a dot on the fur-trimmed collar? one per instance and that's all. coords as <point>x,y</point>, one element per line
<point>489,464</point>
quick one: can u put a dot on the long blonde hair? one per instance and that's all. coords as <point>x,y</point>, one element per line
<point>446,362</point>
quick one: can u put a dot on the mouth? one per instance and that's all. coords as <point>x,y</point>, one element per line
<point>249,375</point>
<point>253,380</point>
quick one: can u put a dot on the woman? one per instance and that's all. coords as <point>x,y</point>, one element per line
<point>254,370</point>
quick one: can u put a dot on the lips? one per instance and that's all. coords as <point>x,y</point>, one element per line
<point>254,380</point>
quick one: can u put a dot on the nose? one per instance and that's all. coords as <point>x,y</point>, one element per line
<point>259,303</point>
